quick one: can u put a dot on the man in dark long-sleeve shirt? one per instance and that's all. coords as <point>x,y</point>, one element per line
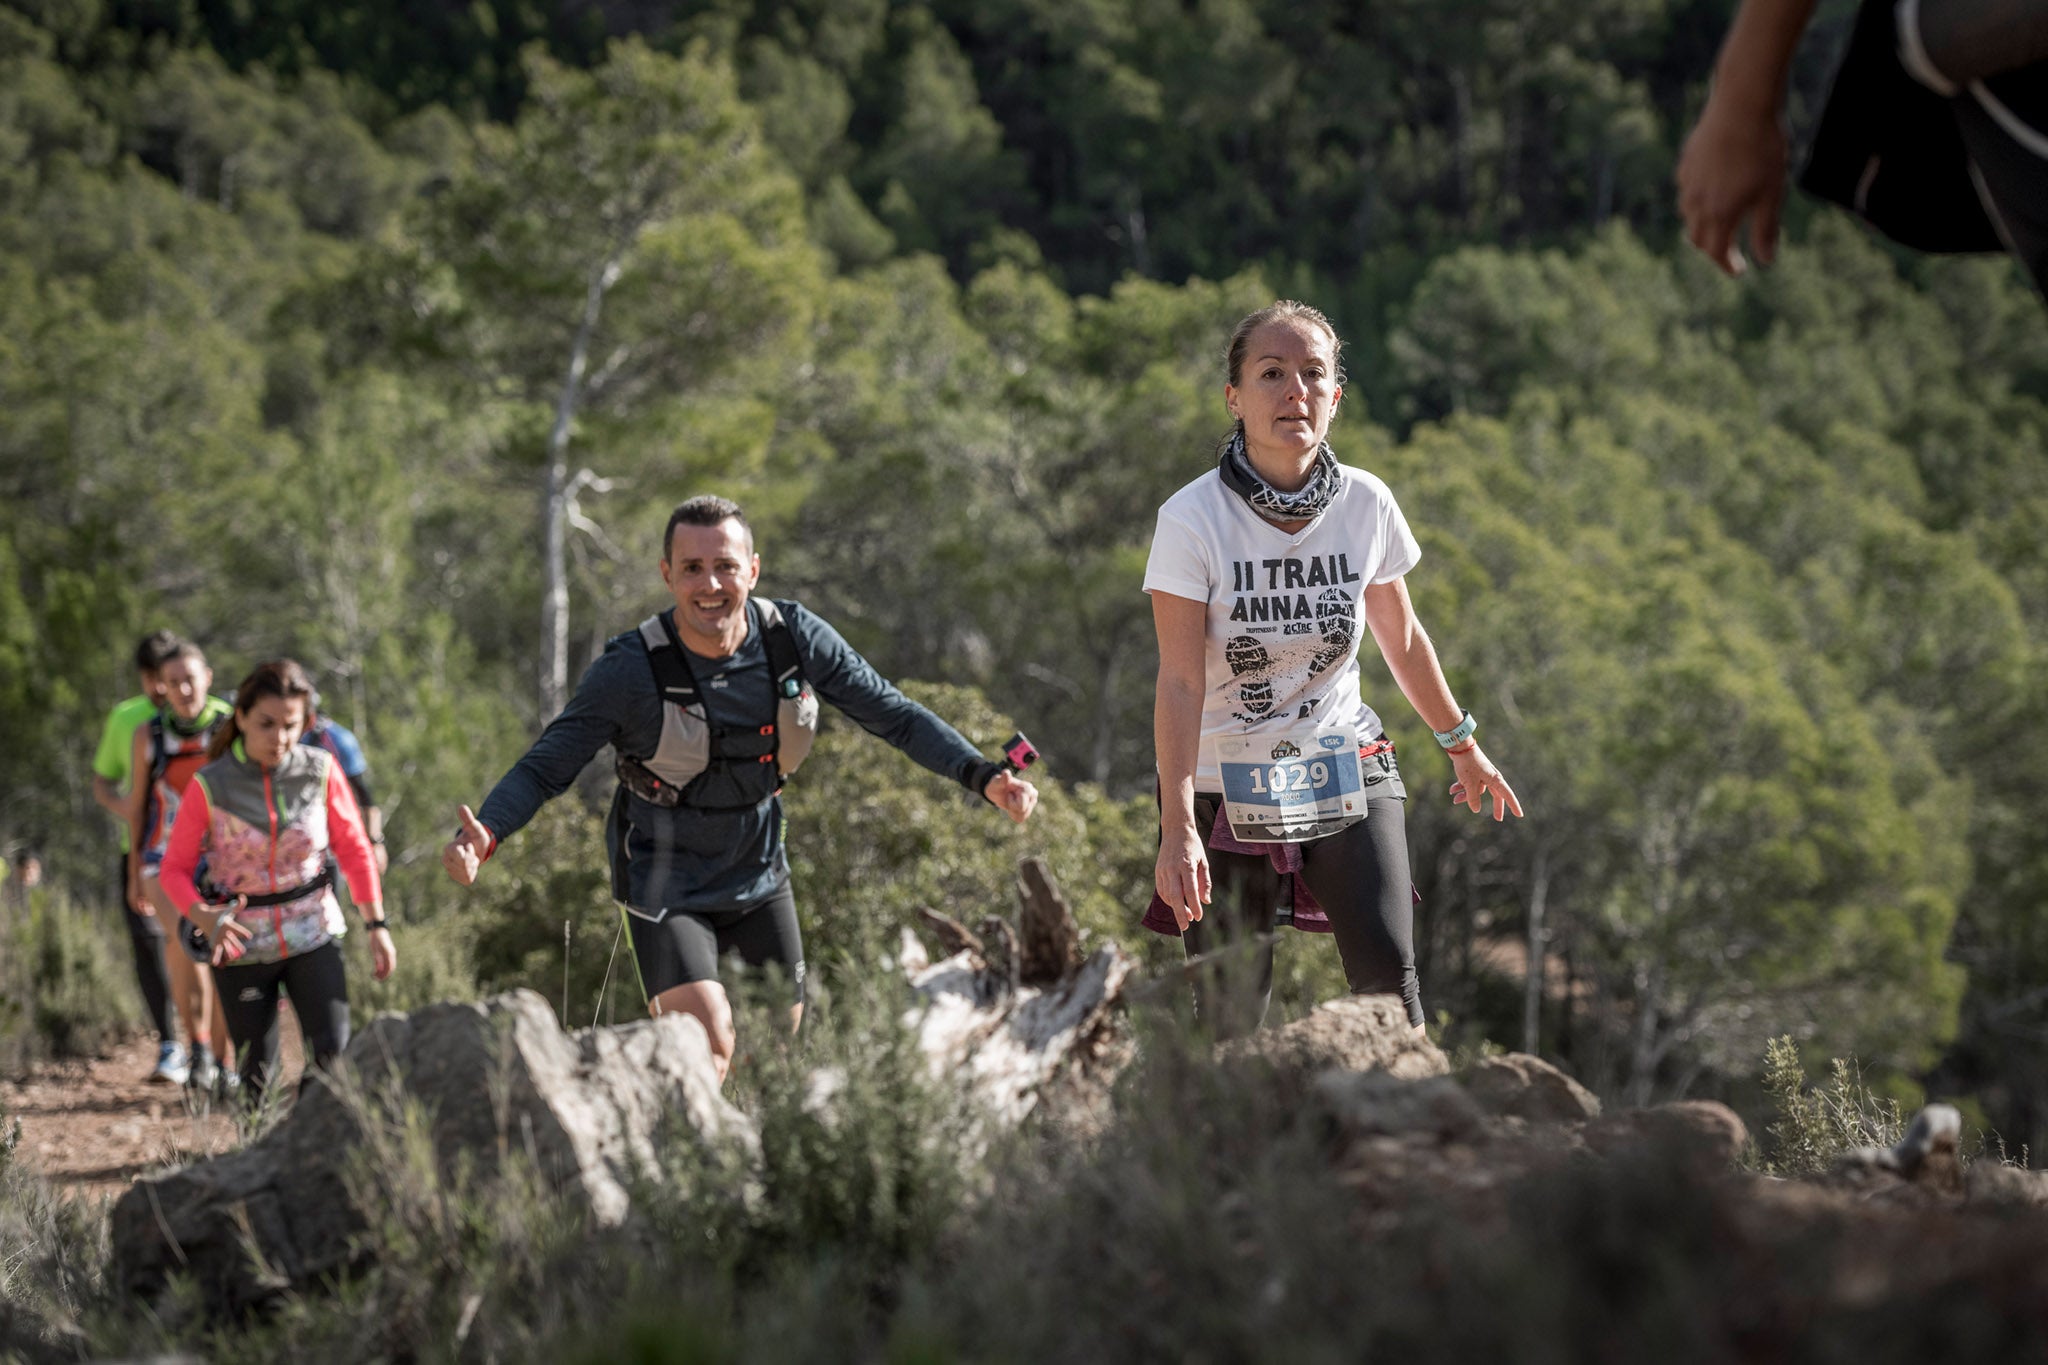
<point>709,874</point>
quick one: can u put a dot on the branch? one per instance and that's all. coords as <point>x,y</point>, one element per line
<point>572,512</point>
<point>612,365</point>
<point>585,478</point>
<point>1058,681</point>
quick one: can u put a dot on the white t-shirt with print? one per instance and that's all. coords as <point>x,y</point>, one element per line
<point>1285,610</point>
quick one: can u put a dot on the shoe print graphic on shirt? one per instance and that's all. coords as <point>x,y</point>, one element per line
<point>1337,615</point>
<point>1251,665</point>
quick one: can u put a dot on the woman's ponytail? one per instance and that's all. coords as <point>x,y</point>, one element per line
<point>224,736</point>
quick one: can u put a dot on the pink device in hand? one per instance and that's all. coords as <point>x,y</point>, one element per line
<point>1018,753</point>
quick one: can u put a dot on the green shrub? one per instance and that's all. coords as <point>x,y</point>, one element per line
<point>66,986</point>
<point>434,964</point>
<point>52,1251</point>
<point>1814,1127</point>
<point>872,836</point>
<point>864,1159</point>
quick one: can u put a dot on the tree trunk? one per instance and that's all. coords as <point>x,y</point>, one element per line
<point>554,602</point>
<point>1539,936</point>
<point>1461,143</point>
<point>1134,233</point>
<point>1643,1054</point>
<point>1107,713</point>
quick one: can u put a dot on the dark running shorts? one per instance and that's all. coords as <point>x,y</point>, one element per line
<point>685,946</point>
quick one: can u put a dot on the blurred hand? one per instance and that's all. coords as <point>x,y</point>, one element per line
<point>226,933</point>
<point>1733,170</point>
<point>465,853</point>
<point>383,953</point>
<point>1181,876</point>
<point>1012,795</point>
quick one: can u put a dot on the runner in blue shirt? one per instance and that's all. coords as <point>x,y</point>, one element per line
<point>339,740</point>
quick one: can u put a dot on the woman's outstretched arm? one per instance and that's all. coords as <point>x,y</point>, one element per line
<point>1412,660</point>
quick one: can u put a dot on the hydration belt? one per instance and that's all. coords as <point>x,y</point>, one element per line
<point>217,898</point>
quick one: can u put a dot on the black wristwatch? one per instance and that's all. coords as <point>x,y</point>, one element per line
<point>376,924</point>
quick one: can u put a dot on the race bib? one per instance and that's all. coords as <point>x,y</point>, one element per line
<point>1288,787</point>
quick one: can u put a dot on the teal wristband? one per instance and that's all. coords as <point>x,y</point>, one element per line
<point>1458,733</point>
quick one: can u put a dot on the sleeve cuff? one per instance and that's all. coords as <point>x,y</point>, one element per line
<point>980,775</point>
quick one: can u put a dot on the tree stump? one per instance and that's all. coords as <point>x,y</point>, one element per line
<point>1048,936</point>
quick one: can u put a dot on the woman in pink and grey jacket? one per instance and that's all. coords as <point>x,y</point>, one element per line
<point>264,813</point>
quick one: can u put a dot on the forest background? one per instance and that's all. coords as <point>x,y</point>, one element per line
<point>311,314</point>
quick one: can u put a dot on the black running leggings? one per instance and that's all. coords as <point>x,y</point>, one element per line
<point>1359,876</point>
<point>146,938</point>
<point>318,986</point>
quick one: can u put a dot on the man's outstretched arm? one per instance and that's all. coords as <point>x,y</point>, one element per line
<point>612,705</point>
<point>842,677</point>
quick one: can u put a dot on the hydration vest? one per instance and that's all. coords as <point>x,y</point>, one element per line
<point>174,755</point>
<point>702,763</point>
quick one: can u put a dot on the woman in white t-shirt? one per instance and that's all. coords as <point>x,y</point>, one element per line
<point>1279,798</point>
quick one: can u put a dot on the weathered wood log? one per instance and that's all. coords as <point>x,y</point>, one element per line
<point>1048,936</point>
<point>999,950</point>
<point>1021,1047</point>
<point>954,937</point>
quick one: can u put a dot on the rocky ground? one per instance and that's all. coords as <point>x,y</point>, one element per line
<point>90,1127</point>
<point>1496,1209</point>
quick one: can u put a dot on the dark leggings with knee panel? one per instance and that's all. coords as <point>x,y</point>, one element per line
<point>318,986</point>
<point>1360,877</point>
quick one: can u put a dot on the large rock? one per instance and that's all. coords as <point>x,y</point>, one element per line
<point>492,1079</point>
<point>1698,1135</point>
<point>1994,1183</point>
<point>1376,1104</point>
<point>1518,1085</point>
<point>1354,1033</point>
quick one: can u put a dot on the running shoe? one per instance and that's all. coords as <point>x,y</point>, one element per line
<point>205,1071</point>
<point>228,1085</point>
<point>170,1064</point>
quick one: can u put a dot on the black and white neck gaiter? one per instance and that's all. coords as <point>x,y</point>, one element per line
<point>1235,467</point>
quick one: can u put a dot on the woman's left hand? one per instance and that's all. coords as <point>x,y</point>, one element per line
<point>1476,777</point>
<point>383,953</point>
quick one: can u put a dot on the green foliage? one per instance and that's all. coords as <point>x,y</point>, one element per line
<point>1744,580</point>
<point>66,988</point>
<point>872,837</point>
<point>1813,1127</point>
<point>865,1160</point>
<point>53,1251</point>
<point>554,873</point>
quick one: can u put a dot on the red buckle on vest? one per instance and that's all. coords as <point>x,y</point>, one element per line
<point>765,758</point>
<point>767,729</point>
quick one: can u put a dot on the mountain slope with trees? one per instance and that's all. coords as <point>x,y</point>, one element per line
<point>312,328</point>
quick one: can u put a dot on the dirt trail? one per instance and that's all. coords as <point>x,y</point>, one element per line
<point>91,1127</point>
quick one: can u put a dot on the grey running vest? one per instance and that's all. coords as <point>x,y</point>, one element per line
<point>690,742</point>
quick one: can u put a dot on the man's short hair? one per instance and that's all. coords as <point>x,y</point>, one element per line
<point>155,649</point>
<point>706,509</point>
